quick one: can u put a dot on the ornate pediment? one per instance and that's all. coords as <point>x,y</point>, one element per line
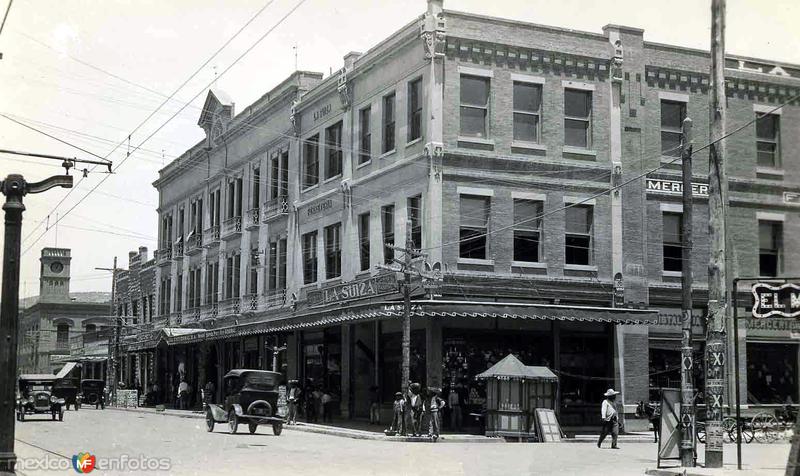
<point>215,116</point>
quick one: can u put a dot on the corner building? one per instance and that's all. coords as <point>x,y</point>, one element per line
<point>475,132</point>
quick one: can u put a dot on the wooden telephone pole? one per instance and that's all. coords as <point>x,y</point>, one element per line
<point>717,278</point>
<point>687,381</point>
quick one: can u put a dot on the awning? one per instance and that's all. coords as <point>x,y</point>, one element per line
<point>149,339</point>
<point>66,369</point>
<point>511,368</point>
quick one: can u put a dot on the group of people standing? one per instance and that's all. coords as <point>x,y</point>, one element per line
<point>414,407</point>
<point>315,402</point>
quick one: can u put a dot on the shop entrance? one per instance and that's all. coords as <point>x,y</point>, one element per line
<point>772,373</point>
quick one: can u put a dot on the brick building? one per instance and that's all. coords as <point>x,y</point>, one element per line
<point>479,134</point>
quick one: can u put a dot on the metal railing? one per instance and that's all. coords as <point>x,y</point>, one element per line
<point>231,226</point>
<point>275,298</point>
<point>253,217</point>
<point>276,208</point>
<point>195,244</point>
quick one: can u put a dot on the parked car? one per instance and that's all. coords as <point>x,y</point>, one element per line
<point>36,397</point>
<point>93,393</point>
<point>68,389</point>
<point>251,396</point>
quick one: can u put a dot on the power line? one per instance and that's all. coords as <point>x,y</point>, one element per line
<point>8,9</point>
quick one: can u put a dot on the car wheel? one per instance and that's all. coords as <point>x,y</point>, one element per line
<point>209,421</point>
<point>233,422</point>
<point>61,415</point>
<point>277,428</point>
<point>252,427</point>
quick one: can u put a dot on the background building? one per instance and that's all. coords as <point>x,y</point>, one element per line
<point>496,142</point>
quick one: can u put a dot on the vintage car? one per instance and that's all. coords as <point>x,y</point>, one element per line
<point>251,396</point>
<point>36,397</point>
<point>68,389</point>
<point>93,393</point>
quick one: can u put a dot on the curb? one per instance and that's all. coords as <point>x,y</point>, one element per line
<point>672,472</point>
<point>332,431</point>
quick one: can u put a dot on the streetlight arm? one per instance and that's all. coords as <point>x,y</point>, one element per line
<point>51,182</point>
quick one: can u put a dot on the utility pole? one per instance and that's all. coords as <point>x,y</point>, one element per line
<point>717,279</point>
<point>276,349</point>
<point>14,187</point>
<point>111,374</point>
<point>687,383</point>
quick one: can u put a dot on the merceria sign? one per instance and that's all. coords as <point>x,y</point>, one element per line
<point>776,300</point>
<point>675,187</point>
<point>374,286</point>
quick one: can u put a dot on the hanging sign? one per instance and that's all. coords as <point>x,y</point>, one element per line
<point>373,286</point>
<point>776,300</point>
<point>675,187</point>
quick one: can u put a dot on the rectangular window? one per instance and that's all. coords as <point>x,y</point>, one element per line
<point>474,225</point>
<point>229,277</point>
<point>578,249</point>
<point>239,197</point>
<point>231,200</point>
<point>528,230</point>
<point>672,231</point>
<point>415,216</point>
<point>282,263</point>
<point>577,118</point>
<point>768,141</point>
<point>364,136</point>
<point>179,293</point>
<point>527,112</point>
<point>237,275</point>
<point>363,241</point>
<point>333,150</point>
<point>274,178</point>
<point>474,106</point>
<point>770,238</point>
<point>333,251</point>
<point>310,257</point>
<point>284,185</point>
<point>387,228</point>
<point>672,116</point>
<point>253,278</point>
<point>388,123</point>
<point>256,190</point>
<point>273,265</point>
<point>311,161</point>
<point>415,109</point>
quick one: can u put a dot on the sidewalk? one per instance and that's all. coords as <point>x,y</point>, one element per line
<point>347,429</point>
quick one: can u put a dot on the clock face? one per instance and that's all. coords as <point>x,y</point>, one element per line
<point>56,267</point>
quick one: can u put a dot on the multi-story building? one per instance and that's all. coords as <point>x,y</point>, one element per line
<point>57,327</point>
<point>536,166</point>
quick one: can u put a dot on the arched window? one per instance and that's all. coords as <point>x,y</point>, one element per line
<point>62,337</point>
<point>90,328</point>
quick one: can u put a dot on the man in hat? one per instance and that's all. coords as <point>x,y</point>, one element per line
<point>433,404</point>
<point>415,408</point>
<point>399,419</point>
<point>610,418</point>
<point>293,399</point>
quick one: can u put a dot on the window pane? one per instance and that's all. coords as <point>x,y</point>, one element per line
<point>673,258</point>
<point>473,122</point>
<point>672,115</point>
<point>474,211</point>
<point>472,243</point>
<point>576,133</point>
<point>526,246</point>
<point>765,154</point>
<point>577,103</point>
<point>768,235</point>
<point>767,127</point>
<point>673,230</point>
<point>577,249</point>
<point>670,144</point>
<point>768,264</point>
<point>579,220</point>
<point>526,127</point>
<point>527,97</point>
<point>527,214</point>
<point>474,91</point>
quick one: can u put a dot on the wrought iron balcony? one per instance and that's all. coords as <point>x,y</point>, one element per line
<point>275,208</point>
<point>176,318</point>
<point>231,306</point>
<point>164,254</point>
<point>209,311</point>
<point>276,298</point>
<point>251,302</point>
<point>211,236</point>
<point>253,218</point>
<point>191,314</point>
<point>231,227</point>
<point>194,244</point>
<point>177,250</point>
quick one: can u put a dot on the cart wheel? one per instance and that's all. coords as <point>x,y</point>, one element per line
<point>209,421</point>
<point>729,429</point>
<point>233,422</point>
<point>277,428</point>
<point>765,428</point>
<point>747,432</point>
<point>61,415</point>
<point>252,427</point>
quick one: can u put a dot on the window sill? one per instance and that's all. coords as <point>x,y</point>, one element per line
<point>387,153</point>
<point>769,171</point>
<point>476,140</point>
<point>528,145</point>
<point>672,274</point>
<point>333,280</point>
<point>580,267</point>
<point>528,264</point>
<point>484,262</point>
<point>666,159</point>
<point>568,149</point>
<point>309,188</point>
<point>412,142</point>
<point>363,164</point>
<point>329,180</point>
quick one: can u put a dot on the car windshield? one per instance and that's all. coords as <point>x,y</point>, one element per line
<point>35,388</point>
<point>260,381</point>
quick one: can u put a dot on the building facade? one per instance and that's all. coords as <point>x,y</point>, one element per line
<point>536,168</point>
<point>57,326</point>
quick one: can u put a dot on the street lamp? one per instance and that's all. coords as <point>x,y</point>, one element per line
<point>14,187</point>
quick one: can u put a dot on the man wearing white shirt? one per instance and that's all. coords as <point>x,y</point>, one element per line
<point>608,413</point>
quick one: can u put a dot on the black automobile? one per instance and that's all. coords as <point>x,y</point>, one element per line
<point>36,397</point>
<point>93,393</point>
<point>251,396</point>
<point>68,389</point>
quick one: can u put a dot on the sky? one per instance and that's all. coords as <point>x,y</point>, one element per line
<point>91,72</point>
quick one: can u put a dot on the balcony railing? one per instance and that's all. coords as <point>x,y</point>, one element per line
<point>211,235</point>
<point>231,306</point>
<point>275,298</point>
<point>194,244</point>
<point>176,318</point>
<point>191,314</point>
<point>251,302</point>
<point>275,208</point>
<point>253,217</point>
<point>177,252</point>
<point>209,311</point>
<point>231,227</point>
<point>164,254</point>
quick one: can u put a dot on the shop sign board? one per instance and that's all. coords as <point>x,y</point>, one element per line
<point>674,187</point>
<point>775,300</point>
<point>340,293</point>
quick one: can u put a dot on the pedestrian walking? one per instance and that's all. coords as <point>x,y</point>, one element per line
<point>183,395</point>
<point>398,425</point>
<point>293,399</point>
<point>433,404</point>
<point>454,403</point>
<point>610,418</point>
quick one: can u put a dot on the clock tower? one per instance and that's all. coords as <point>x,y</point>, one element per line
<point>54,275</point>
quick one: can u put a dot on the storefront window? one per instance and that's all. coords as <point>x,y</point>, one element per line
<point>665,366</point>
<point>322,361</point>
<point>772,373</point>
